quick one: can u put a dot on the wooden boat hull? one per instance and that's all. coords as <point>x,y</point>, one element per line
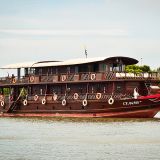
<point>131,108</point>
<point>131,114</point>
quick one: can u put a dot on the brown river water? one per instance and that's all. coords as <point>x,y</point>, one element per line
<point>79,139</point>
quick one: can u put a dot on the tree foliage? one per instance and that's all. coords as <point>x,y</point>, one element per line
<point>137,69</point>
<point>158,70</point>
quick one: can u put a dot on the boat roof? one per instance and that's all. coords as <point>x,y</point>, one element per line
<point>34,64</point>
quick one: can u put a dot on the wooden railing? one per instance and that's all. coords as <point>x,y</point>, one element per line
<point>92,76</point>
<point>68,97</point>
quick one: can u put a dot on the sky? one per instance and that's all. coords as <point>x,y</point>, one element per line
<point>37,30</point>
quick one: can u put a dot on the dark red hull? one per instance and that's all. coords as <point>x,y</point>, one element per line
<point>130,108</point>
<point>131,114</point>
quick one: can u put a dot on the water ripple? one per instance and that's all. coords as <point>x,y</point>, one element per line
<point>74,138</point>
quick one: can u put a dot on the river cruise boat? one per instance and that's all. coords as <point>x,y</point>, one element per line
<point>89,87</point>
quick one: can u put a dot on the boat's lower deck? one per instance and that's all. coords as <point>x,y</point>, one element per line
<point>138,108</point>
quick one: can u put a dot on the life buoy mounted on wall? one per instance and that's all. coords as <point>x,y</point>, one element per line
<point>25,102</point>
<point>64,102</point>
<point>75,96</point>
<point>111,101</point>
<point>31,79</point>
<point>84,102</point>
<point>2,103</point>
<point>98,96</point>
<point>43,101</point>
<point>36,97</point>
<point>63,78</point>
<point>14,80</point>
<point>1,97</point>
<point>93,76</point>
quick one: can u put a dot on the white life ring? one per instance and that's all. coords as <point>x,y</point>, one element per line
<point>93,76</point>
<point>43,101</point>
<point>36,97</point>
<point>98,96</point>
<point>64,102</point>
<point>55,97</point>
<point>14,80</point>
<point>1,97</point>
<point>31,79</point>
<point>75,96</point>
<point>84,102</point>
<point>64,77</point>
<point>25,102</point>
<point>111,101</point>
<point>2,103</point>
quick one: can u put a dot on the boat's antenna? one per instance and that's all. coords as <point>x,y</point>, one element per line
<point>85,50</point>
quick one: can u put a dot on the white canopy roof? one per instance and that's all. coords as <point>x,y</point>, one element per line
<point>53,63</point>
<point>70,62</point>
<point>18,65</point>
<point>126,60</point>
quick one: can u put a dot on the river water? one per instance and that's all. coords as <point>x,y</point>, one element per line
<point>79,139</point>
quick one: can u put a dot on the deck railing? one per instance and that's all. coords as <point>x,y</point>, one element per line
<point>81,77</point>
<point>69,97</point>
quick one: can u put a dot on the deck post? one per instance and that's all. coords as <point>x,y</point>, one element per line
<point>18,73</point>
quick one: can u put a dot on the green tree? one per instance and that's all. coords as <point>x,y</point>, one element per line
<point>145,68</point>
<point>158,69</point>
<point>137,69</point>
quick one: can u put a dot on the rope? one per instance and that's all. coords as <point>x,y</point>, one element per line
<point>19,95</point>
<point>14,103</point>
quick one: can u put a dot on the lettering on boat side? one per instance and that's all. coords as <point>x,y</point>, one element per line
<point>131,103</point>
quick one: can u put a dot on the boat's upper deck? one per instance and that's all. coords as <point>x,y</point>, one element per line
<point>79,77</point>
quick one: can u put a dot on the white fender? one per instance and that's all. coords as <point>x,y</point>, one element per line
<point>75,96</point>
<point>111,101</point>
<point>36,97</point>
<point>64,102</point>
<point>2,103</point>
<point>43,101</point>
<point>93,76</point>
<point>98,96</point>
<point>25,102</point>
<point>84,102</point>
